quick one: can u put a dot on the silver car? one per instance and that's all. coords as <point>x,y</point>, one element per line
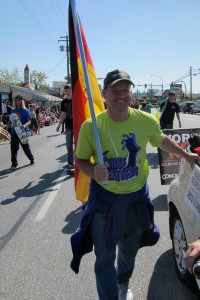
<point>195,108</point>
<point>184,219</point>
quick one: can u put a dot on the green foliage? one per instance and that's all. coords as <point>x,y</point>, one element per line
<point>38,79</point>
<point>152,100</point>
<point>11,77</point>
<point>44,88</point>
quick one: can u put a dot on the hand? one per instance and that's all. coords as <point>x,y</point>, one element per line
<point>192,253</point>
<point>58,128</point>
<point>179,124</point>
<point>101,172</point>
<point>191,158</point>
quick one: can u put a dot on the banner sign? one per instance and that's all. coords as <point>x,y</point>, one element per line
<point>193,194</point>
<point>169,163</point>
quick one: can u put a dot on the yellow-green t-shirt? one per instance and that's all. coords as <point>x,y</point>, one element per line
<point>123,146</point>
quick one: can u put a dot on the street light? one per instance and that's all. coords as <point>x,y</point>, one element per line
<point>192,74</point>
<point>161,81</point>
<point>185,87</point>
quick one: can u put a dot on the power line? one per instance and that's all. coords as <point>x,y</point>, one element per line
<point>54,10</point>
<point>56,66</point>
<point>179,79</point>
<point>35,18</point>
<point>49,18</point>
<point>64,16</point>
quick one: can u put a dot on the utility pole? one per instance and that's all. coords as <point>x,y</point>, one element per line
<point>66,39</point>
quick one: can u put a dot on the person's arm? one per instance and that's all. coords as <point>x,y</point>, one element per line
<point>162,105</point>
<point>179,120</point>
<point>193,252</point>
<point>97,172</point>
<point>27,119</point>
<point>62,118</point>
<point>169,145</point>
<point>26,124</point>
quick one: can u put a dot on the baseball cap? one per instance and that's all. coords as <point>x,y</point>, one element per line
<point>172,94</point>
<point>19,97</point>
<point>116,76</point>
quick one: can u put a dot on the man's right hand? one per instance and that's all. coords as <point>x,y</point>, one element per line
<point>101,172</point>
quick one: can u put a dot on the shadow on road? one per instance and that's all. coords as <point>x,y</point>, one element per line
<point>63,158</point>
<point>53,135</point>
<point>46,184</point>
<point>73,221</point>
<point>164,283</point>
<point>6,172</point>
<point>160,203</point>
<point>61,145</point>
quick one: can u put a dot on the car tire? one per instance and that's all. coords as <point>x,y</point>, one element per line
<point>179,244</point>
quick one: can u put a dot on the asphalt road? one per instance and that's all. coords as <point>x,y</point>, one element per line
<point>39,212</point>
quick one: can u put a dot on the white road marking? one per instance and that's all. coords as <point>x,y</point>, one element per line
<point>40,216</point>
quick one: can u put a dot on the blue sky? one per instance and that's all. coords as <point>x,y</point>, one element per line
<point>143,37</point>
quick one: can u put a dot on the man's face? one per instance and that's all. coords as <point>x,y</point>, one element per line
<point>171,98</point>
<point>68,93</point>
<point>118,97</point>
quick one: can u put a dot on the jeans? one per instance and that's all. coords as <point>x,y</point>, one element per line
<point>15,147</point>
<point>69,145</point>
<point>109,278</point>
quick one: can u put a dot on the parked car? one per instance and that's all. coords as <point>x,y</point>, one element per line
<point>184,220</point>
<point>195,108</point>
<point>185,106</point>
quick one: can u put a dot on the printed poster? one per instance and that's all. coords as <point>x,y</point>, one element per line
<point>169,163</point>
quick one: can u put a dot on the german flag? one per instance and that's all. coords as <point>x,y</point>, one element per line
<point>80,103</point>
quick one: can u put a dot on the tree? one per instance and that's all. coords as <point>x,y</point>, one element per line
<point>38,79</point>
<point>11,77</point>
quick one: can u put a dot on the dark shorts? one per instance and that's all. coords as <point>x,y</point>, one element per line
<point>34,124</point>
<point>166,126</point>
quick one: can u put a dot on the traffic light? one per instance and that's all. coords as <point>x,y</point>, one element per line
<point>145,86</point>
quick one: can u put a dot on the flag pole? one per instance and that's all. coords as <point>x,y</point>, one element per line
<point>86,78</point>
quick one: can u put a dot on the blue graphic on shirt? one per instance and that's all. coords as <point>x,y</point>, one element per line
<point>124,168</point>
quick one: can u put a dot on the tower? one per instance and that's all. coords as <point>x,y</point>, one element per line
<point>26,75</point>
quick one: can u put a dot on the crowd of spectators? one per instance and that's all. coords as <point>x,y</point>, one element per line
<point>40,116</point>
